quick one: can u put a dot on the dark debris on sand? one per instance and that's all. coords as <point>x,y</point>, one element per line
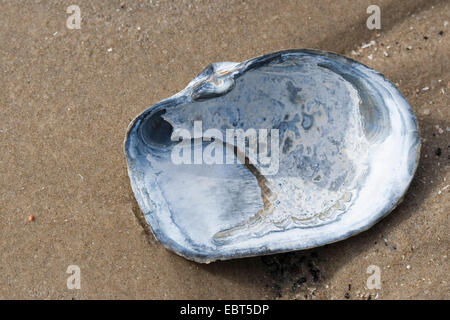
<point>292,273</point>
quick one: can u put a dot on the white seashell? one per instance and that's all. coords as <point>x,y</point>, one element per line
<point>342,147</point>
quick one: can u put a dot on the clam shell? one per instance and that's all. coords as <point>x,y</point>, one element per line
<point>330,147</point>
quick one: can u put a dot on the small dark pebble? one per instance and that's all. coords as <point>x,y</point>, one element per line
<point>438,152</point>
<point>277,290</point>
<point>314,271</point>
<point>425,37</point>
<point>441,33</point>
<point>301,281</point>
<point>347,295</point>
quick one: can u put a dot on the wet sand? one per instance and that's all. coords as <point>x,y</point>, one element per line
<point>67,97</point>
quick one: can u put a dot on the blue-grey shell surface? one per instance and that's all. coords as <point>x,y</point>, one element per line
<point>337,147</point>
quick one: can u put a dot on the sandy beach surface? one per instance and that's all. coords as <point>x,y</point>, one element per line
<point>68,95</point>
